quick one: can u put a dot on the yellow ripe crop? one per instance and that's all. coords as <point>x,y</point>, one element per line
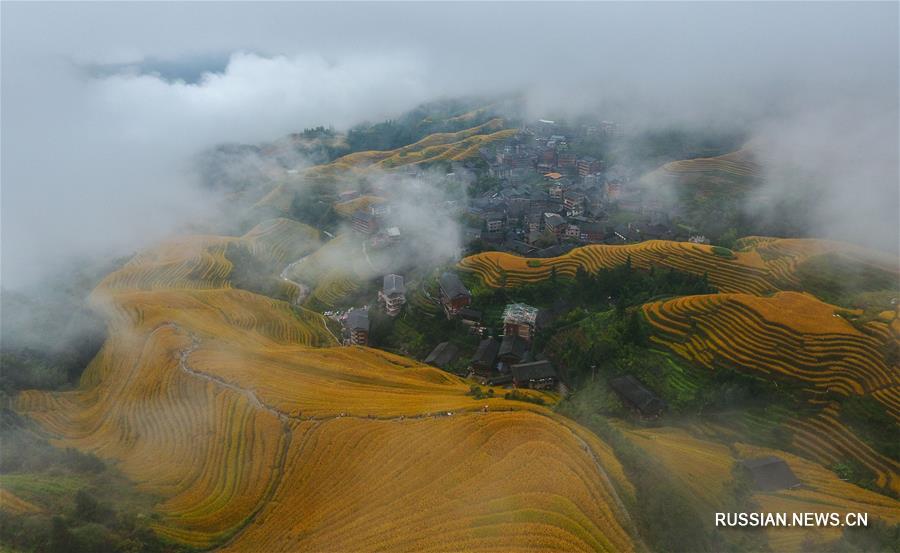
<point>738,163</point>
<point>282,240</point>
<point>789,334</point>
<point>502,481</point>
<point>763,265</point>
<point>257,433</point>
<point>821,491</point>
<point>703,467</point>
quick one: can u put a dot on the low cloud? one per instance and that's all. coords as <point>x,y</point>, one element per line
<point>840,162</point>
<point>105,106</point>
<point>105,164</point>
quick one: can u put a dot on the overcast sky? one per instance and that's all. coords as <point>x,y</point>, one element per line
<point>103,104</point>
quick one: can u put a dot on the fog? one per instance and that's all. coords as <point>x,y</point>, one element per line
<point>106,105</point>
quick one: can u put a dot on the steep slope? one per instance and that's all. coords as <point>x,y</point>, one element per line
<point>760,266</point>
<point>834,354</point>
<point>789,334</point>
<point>707,470</point>
<point>740,163</point>
<point>224,403</point>
<point>796,338</point>
<point>452,146</point>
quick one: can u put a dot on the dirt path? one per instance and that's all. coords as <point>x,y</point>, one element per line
<point>287,419</point>
<point>304,289</point>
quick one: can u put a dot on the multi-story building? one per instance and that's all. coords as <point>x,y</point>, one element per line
<point>588,166</point>
<point>520,320</point>
<point>454,295</point>
<point>356,327</point>
<point>565,160</point>
<point>574,203</point>
<point>364,221</point>
<point>392,294</point>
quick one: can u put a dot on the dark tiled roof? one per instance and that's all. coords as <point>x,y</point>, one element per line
<point>633,392</point>
<point>442,355</point>
<point>536,370</point>
<point>554,251</point>
<point>486,353</point>
<point>358,319</point>
<point>592,227</point>
<point>452,286</point>
<point>514,346</point>
<point>499,380</point>
<point>771,473</point>
<point>469,314</point>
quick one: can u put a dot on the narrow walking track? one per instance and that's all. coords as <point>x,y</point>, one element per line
<point>304,289</point>
<point>287,427</point>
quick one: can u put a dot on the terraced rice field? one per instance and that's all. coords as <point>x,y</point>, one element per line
<point>232,408</point>
<point>459,483</point>
<point>738,163</point>
<point>764,266</point>
<point>335,270</point>
<point>796,337</point>
<point>701,466</point>
<point>790,335</point>
<point>455,146</point>
<point>348,208</point>
<point>282,240</point>
<point>820,491</point>
<point>825,439</point>
<point>704,467</point>
<point>199,262</point>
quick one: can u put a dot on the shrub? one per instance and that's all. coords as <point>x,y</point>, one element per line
<point>518,396</point>
<point>723,252</point>
<point>534,262</point>
<point>476,392</point>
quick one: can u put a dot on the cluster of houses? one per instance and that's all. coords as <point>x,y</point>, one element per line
<point>374,221</point>
<point>506,360</point>
<point>570,207</point>
<point>539,147</point>
<point>355,321</point>
<point>509,359</point>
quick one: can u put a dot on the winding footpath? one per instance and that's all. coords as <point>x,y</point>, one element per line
<point>287,430</point>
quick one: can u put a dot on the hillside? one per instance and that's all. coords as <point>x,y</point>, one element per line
<point>224,403</point>
<point>833,367</point>
<point>706,470</point>
<point>437,147</point>
<point>793,338</point>
<point>757,266</point>
<point>739,163</point>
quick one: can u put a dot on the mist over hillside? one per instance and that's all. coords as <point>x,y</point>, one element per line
<point>103,118</point>
<point>418,276</point>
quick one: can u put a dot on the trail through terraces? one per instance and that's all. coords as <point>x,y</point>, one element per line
<point>287,419</point>
<point>303,288</point>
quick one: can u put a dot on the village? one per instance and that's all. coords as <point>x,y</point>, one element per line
<point>541,200</point>
<point>549,199</point>
<point>504,361</point>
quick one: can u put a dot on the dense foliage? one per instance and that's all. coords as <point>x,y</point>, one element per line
<point>48,333</point>
<point>433,117</point>
<point>86,506</point>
